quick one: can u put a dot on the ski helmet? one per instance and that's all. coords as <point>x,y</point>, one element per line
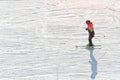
<point>87,21</point>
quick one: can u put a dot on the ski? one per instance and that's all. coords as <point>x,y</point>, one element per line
<point>89,47</point>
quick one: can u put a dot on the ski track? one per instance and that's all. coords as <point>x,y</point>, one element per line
<point>38,39</point>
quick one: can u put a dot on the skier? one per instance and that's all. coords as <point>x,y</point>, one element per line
<point>90,31</point>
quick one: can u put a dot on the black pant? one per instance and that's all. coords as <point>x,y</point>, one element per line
<point>91,35</point>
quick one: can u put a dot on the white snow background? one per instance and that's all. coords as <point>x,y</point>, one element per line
<point>38,39</point>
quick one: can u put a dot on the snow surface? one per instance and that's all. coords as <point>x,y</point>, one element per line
<point>38,39</point>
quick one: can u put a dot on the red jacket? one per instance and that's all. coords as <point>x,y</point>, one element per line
<point>90,25</point>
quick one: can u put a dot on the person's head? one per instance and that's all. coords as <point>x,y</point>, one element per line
<point>87,21</point>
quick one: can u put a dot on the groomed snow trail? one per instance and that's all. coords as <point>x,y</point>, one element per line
<point>38,39</point>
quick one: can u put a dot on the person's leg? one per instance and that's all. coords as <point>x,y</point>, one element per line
<point>90,40</point>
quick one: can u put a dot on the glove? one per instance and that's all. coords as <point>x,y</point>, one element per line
<point>86,29</point>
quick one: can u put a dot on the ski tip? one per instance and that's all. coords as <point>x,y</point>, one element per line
<point>76,46</point>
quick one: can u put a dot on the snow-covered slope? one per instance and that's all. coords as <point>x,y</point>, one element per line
<point>38,39</point>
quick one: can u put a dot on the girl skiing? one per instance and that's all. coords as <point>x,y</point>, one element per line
<point>90,31</point>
